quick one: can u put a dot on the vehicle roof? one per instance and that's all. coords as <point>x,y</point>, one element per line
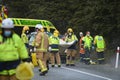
<point>20,22</point>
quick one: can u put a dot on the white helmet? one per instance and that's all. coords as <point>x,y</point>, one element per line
<point>7,23</point>
<point>81,32</point>
<point>39,26</point>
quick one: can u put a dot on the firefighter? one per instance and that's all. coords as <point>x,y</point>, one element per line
<point>71,51</point>
<point>82,51</point>
<point>100,47</point>
<point>24,36</point>
<point>42,44</point>
<point>12,50</point>
<point>88,41</point>
<point>54,49</point>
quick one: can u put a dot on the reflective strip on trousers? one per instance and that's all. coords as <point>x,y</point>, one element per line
<point>8,72</point>
<point>101,58</point>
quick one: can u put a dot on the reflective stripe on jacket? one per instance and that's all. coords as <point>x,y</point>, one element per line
<point>87,41</point>
<point>8,72</point>
<point>12,49</point>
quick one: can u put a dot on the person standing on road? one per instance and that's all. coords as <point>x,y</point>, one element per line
<point>71,51</point>
<point>12,50</point>
<point>100,47</point>
<point>87,41</point>
<point>24,36</point>
<point>41,44</point>
<point>81,45</point>
<point>54,48</point>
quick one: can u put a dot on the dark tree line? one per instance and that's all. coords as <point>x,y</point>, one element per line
<point>101,16</point>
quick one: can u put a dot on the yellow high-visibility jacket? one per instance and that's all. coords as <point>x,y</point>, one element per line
<point>12,49</point>
<point>87,41</point>
<point>24,38</point>
<point>100,43</point>
<point>54,42</point>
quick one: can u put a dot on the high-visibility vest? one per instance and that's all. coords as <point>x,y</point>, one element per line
<point>54,42</point>
<point>12,49</point>
<point>100,43</point>
<point>70,39</point>
<point>24,38</point>
<point>87,41</point>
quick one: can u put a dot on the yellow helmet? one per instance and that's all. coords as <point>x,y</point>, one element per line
<point>69,30</point>
<point>25,28</point>
<point>56,31</point>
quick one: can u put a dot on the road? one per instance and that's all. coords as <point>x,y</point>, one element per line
<point>80,72</point>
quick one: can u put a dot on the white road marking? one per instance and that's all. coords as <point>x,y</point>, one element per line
<point>90,74</point>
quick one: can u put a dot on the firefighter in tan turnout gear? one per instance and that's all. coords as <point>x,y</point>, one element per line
<point>41,44</point>
<point>54,49</point>
<point>71,51</point>
<point>24,36</point>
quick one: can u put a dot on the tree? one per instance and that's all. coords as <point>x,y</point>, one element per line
<point>82,15</point>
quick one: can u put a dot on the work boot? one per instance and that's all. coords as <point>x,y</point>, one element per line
<point>47,63</point>
<point>47,67</point>
<point>53,66</point>
<point>67,64</point>
<point>59,65</point>
<point>100,62</point>
<point>88,63</point>
<point>43,73</point>
<point>72,64</point>
<point>39,70</point>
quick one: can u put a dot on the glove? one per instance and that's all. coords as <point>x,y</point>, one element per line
<point>34,49</point>
<point>30,50</point>
<point>49,48</point>
<point>66,51</point>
